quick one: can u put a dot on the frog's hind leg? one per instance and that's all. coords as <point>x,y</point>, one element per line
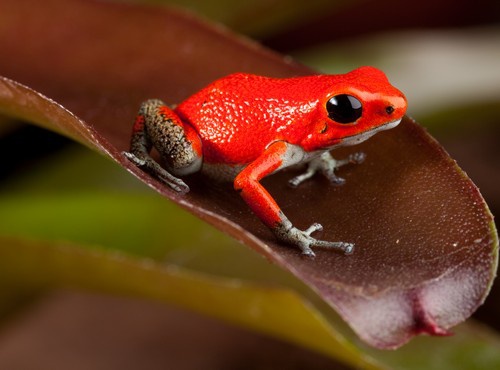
<point>179,145</point>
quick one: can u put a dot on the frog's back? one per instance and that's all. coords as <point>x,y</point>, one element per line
<point>239,115</point>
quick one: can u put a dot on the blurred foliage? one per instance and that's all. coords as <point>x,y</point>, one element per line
<point>256,18</point>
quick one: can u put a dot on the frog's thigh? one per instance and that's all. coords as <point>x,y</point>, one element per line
<point>177,142</point>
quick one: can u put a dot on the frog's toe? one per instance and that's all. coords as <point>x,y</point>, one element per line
<point>297,180</point>
<point>149,165</point>
<point>174,183</point>
<point>308,252</point>
<point>334,179</point>
<point>357,158</point>
<point>134,159</point>
<point>347,248</point>
<point>313,228</point>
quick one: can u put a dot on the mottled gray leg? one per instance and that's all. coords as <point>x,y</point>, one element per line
<point>139,154</point>
<point>158,126</point>
<point>327,165</point>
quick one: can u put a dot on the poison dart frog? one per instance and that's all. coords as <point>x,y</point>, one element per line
<point>245,127</point>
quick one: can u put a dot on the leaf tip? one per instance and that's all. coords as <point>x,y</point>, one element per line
<point>424,323</point>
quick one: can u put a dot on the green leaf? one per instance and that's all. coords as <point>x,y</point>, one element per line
<point>263,308</point>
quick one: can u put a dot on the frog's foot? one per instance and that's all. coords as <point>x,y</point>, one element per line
<point>151,166</point>
<point>288,233</point>
<point>327,165</point>
<point>354,158</point>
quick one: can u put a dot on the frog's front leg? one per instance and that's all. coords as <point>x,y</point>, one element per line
<point>276,156</point>
<point>327,165</point>
<point>179,145</point>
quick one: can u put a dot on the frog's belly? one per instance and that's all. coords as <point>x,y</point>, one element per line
<point>221,172</point>
<point>294,155</point>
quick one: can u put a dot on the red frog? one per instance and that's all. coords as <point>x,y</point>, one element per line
<point>244,127</point>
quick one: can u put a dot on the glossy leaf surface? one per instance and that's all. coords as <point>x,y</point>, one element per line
<point>426,247</point>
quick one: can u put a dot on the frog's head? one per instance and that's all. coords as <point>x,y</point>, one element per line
<point>359,104</point>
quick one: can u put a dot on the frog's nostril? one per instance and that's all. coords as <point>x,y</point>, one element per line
<point>389,109</point>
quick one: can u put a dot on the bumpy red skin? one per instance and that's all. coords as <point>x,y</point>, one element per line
<point>246,127</point>
<point>239,116</point>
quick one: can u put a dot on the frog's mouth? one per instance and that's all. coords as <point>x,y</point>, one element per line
<point>359,138</point>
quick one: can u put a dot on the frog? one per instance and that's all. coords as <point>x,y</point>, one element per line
<point>244,127</point>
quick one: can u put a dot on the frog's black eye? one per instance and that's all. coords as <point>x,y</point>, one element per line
<point>344,108</point>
